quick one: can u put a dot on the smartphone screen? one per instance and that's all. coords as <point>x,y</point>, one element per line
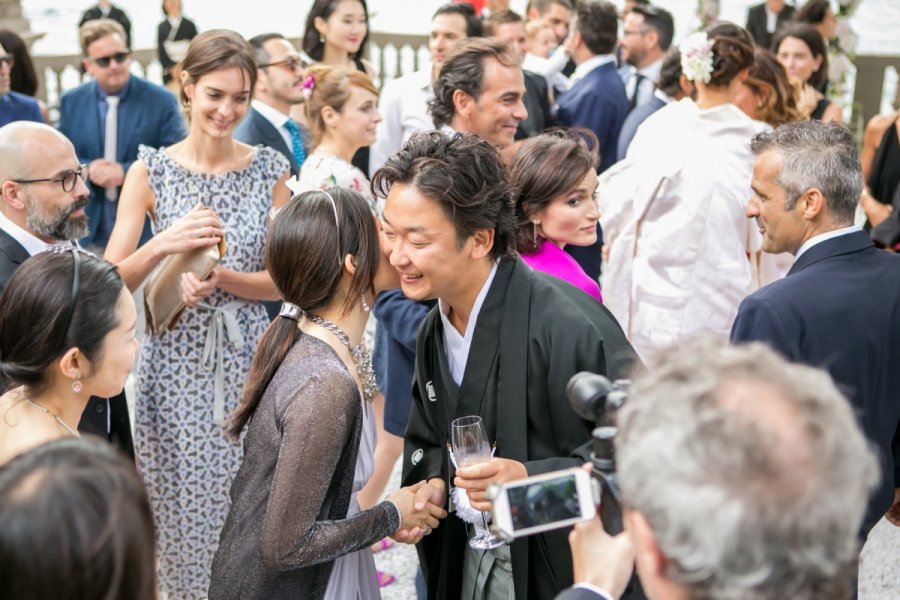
<point>542,502</point>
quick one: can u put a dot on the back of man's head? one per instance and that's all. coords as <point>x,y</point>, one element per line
<point>658,19</point>
<point>598,24</point>
<point>816,155</point>
<point>751,472</point>
<point>464,70</point>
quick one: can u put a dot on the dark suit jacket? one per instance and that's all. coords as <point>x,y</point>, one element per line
<point>839,309</point>
<point>537,102</point>
<point>756,23</point>
<point>148,114</point>
<point>19,107</point>
<point>115,13</point>
<point>256,129</point>
<point>598,103</point>
<point>94,418</point>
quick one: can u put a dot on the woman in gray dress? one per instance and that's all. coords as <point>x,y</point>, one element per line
<point>294,530</point>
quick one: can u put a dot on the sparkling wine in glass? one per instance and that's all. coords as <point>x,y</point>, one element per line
<point>469,441</point>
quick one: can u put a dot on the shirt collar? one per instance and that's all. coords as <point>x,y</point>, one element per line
<point>582,70</point>
<point>824,237</point>
<point>32,244</point>
<point>101,95</point>
<point>273,115</point>
<point>476,307</point>
<point>653,70</point>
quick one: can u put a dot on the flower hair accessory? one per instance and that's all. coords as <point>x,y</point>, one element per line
<point>308,86</point>
<point>697,57</point>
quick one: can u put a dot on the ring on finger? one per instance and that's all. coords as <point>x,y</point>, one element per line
<point>427,530</point>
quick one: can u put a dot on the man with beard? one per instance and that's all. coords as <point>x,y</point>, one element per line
<point>646,36</point>
<point>43,194</point>
<point>279,87</point>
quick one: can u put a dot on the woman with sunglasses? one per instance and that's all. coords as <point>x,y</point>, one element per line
<point>68,334</point>
<point>295,528</point>
<point>189,378</point>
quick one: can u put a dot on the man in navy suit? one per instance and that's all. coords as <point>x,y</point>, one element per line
<point>13,105</point>
<point>839,306</point>
<point>279,86</point>
<point>144,114</point>
<point>43,195</point>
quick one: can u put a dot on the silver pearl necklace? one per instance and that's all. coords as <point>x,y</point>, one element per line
<point>360,355</point>
<point>52,414</point>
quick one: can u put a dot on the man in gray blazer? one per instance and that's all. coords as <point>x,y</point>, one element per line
<point>279,86</point>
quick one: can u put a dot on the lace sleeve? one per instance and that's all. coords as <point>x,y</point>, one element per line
<point>315,431</point>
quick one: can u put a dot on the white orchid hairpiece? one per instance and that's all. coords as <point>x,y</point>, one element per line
<point>697,57</point>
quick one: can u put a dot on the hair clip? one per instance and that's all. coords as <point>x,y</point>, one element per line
<point>697,57</point>
<point>290,311</point>
<point>308,85</point>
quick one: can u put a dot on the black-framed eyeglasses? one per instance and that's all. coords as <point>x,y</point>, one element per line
<point>9,60</point>
<point>292,63</point>
<point>119,57</point>
<point>68,179</point>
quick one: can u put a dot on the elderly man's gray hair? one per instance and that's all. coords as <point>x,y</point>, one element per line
<point>751,472</point>
<point>816,155</point>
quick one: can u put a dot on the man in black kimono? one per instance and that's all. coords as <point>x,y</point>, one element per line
<point>502,343</point>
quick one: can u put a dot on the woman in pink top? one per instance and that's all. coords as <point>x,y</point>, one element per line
<point>554,180</point>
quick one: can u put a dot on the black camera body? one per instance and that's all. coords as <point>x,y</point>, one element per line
<point>595,398</point>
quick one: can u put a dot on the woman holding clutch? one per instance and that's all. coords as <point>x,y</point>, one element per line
<point>197,191</point>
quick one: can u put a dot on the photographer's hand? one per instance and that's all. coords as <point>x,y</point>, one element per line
<point>893,513</point>
<point>599,559</point>
<point>476,478</point>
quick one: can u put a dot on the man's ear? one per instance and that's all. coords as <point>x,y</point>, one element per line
<point>12,195</point>
<point>813,204</point>
<point>483,242</point>
<point>463,103</point>
<point>650,561</point>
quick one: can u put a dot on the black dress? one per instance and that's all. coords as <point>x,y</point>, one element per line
<point>884,182</point>
<point>186,31</point>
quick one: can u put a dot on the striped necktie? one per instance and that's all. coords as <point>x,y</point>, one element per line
<point>296,141</point>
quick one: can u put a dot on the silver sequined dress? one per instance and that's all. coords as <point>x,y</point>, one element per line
<point>190,377</point>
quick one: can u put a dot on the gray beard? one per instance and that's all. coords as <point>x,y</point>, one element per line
<point>59,226</point>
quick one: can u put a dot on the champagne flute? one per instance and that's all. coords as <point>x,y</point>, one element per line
<point>470,446</point>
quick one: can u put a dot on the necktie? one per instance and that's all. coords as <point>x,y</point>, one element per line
<point>110,139</point>
<point>638,80</point>
<point>296,141</point>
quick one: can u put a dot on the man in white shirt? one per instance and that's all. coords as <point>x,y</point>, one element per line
<point>43,195</point>
<point>279,87</point>
<point>404,101</point>
<point>646,37</point>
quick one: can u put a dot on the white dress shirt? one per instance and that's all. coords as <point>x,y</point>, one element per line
<point>582,70</point>
<point>457,346</point>
<point>824,237</point>
<point>650,75</point>
<point>32,244</point>
<point>276,118</point>
<point>404,111</point>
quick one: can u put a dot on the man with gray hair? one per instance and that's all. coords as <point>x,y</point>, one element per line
<point>839,306</point>
<point>742,476</point>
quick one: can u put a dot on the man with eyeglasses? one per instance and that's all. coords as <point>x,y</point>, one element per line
<point>13,105</point>
<point>108,118</point>
<point>279,86</point>
<point>43,197</point>
<point>646,36</point>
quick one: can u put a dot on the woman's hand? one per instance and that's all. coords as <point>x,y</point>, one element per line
<point>419,509</point>
<point>199,228</point>
<point>194,289</point>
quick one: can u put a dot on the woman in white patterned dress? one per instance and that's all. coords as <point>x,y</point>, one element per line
<point>190,377</point>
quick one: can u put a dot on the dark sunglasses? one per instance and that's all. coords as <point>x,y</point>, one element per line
<point>68,179</point>
<point>291,62</point>
<point>9,60</point>
<point>119,57</point>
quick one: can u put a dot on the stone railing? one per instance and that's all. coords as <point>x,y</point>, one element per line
<point>391,54</point>
<point>395,54</point>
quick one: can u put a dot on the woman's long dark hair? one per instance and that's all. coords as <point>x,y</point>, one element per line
<point>810,36</point>
<point>312,44</point>
<point>23,78</point>
<point>305,257</point>
<point>34,315</point>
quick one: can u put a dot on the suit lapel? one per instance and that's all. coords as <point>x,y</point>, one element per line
<point>843,244</point>
<point>272,138</point>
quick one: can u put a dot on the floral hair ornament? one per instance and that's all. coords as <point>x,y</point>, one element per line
<point>308,86</point>
<point>697,57</point>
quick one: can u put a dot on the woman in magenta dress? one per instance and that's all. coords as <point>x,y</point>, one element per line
<point>554,180</point>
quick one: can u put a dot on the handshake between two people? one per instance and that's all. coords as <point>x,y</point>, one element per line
<point>422,505</point>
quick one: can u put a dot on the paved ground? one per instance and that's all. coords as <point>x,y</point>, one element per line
<point>879,563</point>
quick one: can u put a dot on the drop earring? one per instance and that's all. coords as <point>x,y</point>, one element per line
<point>365,305</point>
<point>534,233</point>
<point>76,385</point>
<point>321,39</point>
